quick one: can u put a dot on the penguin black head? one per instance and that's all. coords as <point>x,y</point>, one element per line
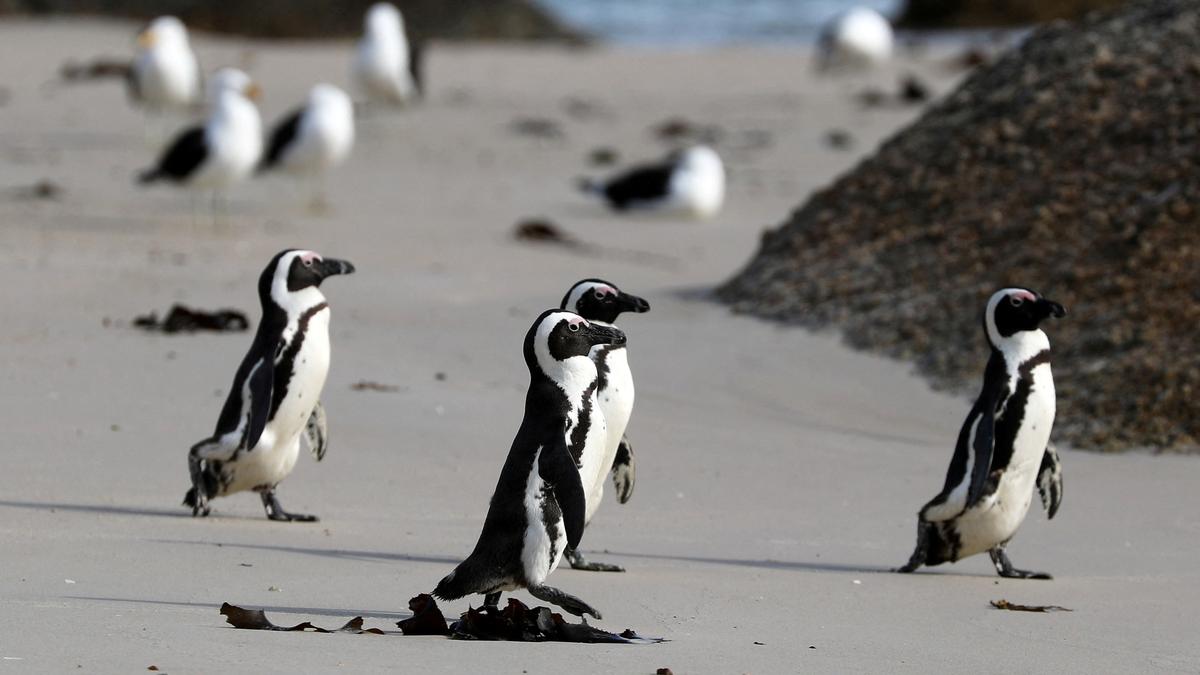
<point>559,342</point>
<point>1013,310</point>
<point>598,300</point>
<point>290,273</point>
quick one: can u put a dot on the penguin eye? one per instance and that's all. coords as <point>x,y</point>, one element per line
<point>573,327</point>
<point>599,295</point>
<point>1016,301</point>
<point>308,263</point>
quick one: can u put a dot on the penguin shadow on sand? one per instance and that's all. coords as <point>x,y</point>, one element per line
<point>341,554</point>
<point>319,611</point>
<point>102,508</point>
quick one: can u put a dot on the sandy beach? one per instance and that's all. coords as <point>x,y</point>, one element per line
<point>779,472</point>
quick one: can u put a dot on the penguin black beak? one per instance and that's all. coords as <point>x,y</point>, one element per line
<point>603,335</point>
<point>331,266</point>
<point>632,303</point>
<point>1051,308</point>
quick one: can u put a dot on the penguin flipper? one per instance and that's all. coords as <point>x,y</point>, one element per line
<point>316,433</point>
<point>261,385</point>
<point>982,446</point>
<point>1050,481</point>
<point>557,467</point>
<point>624,471</point>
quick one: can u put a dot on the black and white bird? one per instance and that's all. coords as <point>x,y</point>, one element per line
<point>601,302</point>
<point>1003,448</point>
<point>164,75</point>
<point>386,68</point>
<point>275,397</point>
<point>314,139</point>
<point>223,151</point>
<point>690,181</point>
<point>858,38</point>
<point>539,507</point>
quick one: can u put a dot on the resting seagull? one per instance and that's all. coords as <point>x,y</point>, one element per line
<point>386,68</point>
<point>165,75</point>
<point>858,38</point>
<point>313,139</point>
<point>691,181</point>
<point>223,151</point>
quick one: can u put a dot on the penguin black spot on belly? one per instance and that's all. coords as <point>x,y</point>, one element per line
<point>580,431</point>
<point>287,358</point>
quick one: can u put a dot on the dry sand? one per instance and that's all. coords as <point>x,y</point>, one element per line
<point>779,473</point>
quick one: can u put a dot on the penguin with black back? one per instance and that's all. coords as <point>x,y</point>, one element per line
<point>600,301</point>
<point>275,397</point>
<point>1003,448</point>
<point>538,508</point>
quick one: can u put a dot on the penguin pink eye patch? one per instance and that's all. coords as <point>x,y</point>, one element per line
<point>309,257</point>
<point>602,291</point>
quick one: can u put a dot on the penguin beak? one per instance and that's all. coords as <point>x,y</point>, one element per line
<point>632,303</point>
<point>603,335</point>
<point>146,39</point>
<point>1050,308</point>
<point>253,91</point>
<point>329,267</point>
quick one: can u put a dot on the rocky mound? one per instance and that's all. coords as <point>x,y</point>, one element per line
<point>425,19</point>
<point>988,13</point>
<point>1071,166</point>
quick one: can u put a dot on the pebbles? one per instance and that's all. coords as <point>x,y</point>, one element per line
<point>1071,166</point>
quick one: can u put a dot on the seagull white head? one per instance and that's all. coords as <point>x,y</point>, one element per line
<point>384,21</point>
<point>232,80</point>
<point>165,32</point>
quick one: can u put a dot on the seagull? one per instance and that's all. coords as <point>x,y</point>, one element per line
<point>164,75</point>
<point>223,151</point>
<point>386,67</point>
<point>690,181</point>
<point>857,38</point>
<point>313,139</point>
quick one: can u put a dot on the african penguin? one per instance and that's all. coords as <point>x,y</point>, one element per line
<point>226,148</point>
<point>386,67</point>
<point>600,302</point>
<point>275,397</point>
<point>164,74</point>
<point>538,509</point>
<point>858,38</point>
<point>1003,448</point>
<point>690,181</point>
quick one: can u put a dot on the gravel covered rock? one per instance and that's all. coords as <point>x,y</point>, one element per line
<point>1070,166</point>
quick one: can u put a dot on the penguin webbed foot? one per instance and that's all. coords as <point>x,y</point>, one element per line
<point>276,512</point>
<point>579,562</point>
<point>564,600</point>
<point>920,553</point>
<point>197,496</point>
<point>1004,567</point>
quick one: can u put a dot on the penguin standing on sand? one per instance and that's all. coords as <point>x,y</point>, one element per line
<point>1003,447</point>
<point>601,302</point>
<point>275,397</point>
<point>538,508</point>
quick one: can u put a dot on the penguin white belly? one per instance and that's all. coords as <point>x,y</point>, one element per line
<point>275,455</point>
<point>545,534</point>
<point>996,519</point>
<point>593,469</point>
<point>616,402</point>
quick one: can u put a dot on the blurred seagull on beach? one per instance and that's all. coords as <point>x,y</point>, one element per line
<point>164,76</point>
<point>313,139</point>
<point>386,67</point>
<point>222,152</point>
<point>858,38</point>
<point>691,181</point>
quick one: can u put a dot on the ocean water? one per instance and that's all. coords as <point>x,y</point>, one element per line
<point>682,23</point>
